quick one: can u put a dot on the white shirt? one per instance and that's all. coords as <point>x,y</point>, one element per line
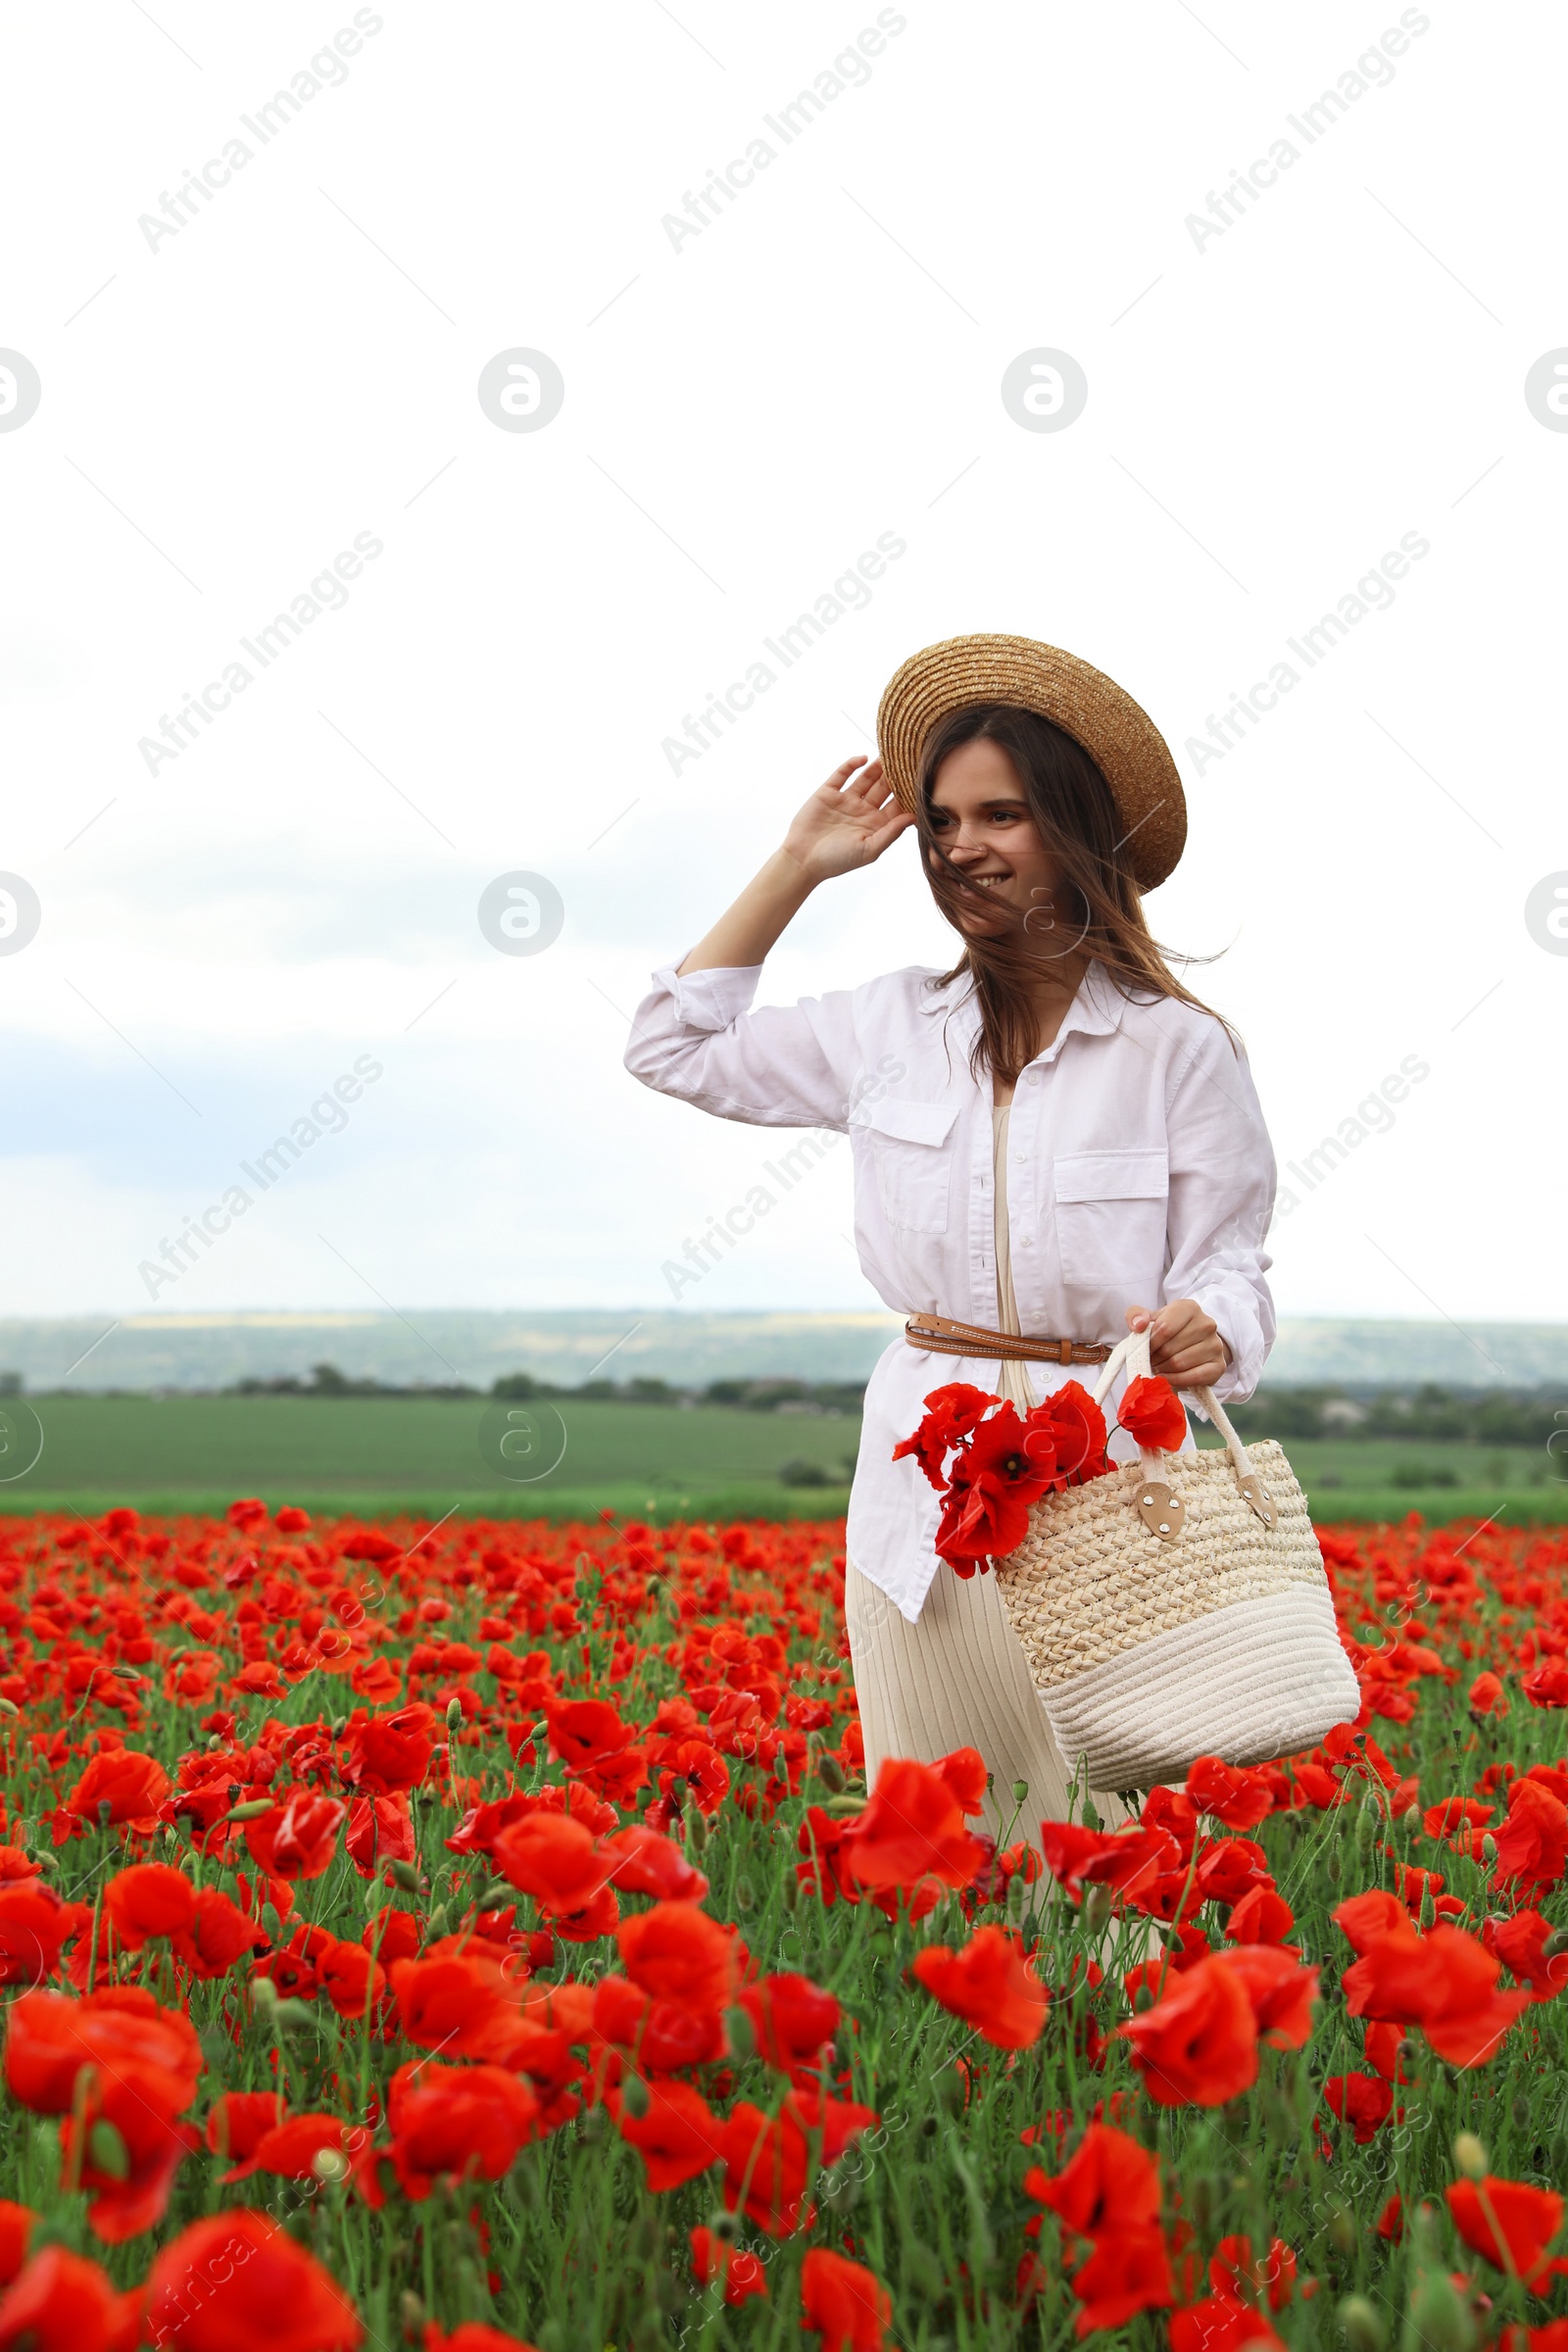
<point>1139,1170</point>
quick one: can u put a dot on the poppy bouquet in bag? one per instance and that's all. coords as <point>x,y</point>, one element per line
<point>991,1463</point>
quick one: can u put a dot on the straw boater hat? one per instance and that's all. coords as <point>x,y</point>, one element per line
<point>1121,738</point>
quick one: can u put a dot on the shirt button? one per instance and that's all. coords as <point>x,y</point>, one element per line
<point>1019,1157</point>
<point>1028,1241</point>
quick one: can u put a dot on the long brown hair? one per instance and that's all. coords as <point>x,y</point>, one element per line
<point>1077,821</point>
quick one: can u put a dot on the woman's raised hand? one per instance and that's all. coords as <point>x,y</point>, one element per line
<point>847,823</point>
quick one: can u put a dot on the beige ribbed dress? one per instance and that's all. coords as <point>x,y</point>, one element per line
<point>956,1678</point>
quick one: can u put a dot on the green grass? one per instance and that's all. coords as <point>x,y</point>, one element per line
<point>422,1457</point>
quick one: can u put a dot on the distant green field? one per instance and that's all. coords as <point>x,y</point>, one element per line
<point>424,1456</point>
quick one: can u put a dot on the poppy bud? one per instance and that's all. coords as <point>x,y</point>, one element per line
<point>830,1772</point>
<point>742,2037</point>
<point>1363,2327</point>
<point>745,1894</point>
<point>329,2164</point>
<point>292,2017</point>
<point>1097,1909</point>
<point>493,1892</point>
<point>1557,1942</point>
<point>1488,1849</point>
<point>454,1714</point>
<point>634,2097</point>
<point>723,2225</point>
<point>404,1875</point>
<point>252,1810</point>
<point>1020,1791</point>
<point>793,1892</point>
<point>696,1830</point>
<point>1470,2156</point>
<point>264,1992</point>
<point>1519,2109</point>
<point>411,2313</point>
<point>1344,2235</point>
<point>9,1706</point>
<point>106,2151</point>
<point>1439,2322</point>
<point>436,1925</point>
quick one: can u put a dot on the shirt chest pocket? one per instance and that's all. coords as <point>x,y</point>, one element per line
<point>908,1146</point>
<point>1111,1217</point>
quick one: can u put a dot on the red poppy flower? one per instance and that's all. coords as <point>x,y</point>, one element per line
<point>1198,2046</point>
<point>465,2003</point>
<point>298,1839</point>
<point>1130,1860</point>
<point>1547,1686</point>
<point>966,1775</point>
<point>237,2282</point>
<point>1363,2101</point>
<point>380,1831</point>
<point>642,1862</point>
<point>1510,2223</point>
<point>1221,2323</point>
<point>1280,1989</point>
<point>913,1829</point>
<point>149,1899</point>
<point>1519,1943</point>
<point>662,2036</point>
<point>1240,1800</point>
<point>675,1952</point>
<point>1487,1697</point>
<point>50,2038</point>
<point>62,2304</point>
<point>16,2228</point>
<point>290,2148</point>
<point>951,1414</point>
<point>393,1751</point>
<point>792,2022</point>
<point>845,2302</point>
<point>677,2134</point>
<point>714,2257</point>
<point>471,2336</point>
<point>33,1924</point>
<point>1128,2271</point>
<point>240,2120</point>
<point>466,2121</point>
<point>1262,1916</point>
<point>218,1937</point>
<point>134,2106</point>
<point>1454,1818</point>
<point>1532,1843</point>
<point>1444,1982</point>
<point>989,1986</point>
<point>1232,2267</point>
<point>131,1786</point>
<point>1229,1867</point>
<point>350,1979</point>
<point>765,2167</point>
<point>1153,1416</point>
<point>553,1858</point>
<point>1111,2183</point>
<point>1066,1435</point>
<point>985,1512</point>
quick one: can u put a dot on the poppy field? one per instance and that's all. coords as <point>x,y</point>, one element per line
<point>482,1936</point>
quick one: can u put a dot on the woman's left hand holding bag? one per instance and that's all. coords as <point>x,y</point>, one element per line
<point>1184,1343</point>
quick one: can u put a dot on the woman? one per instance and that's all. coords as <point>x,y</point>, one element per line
<point>1053,1141</point>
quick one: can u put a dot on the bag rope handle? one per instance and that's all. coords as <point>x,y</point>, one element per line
<point>1160,1508</point>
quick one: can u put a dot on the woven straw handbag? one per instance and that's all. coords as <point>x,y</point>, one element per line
<point>1178,1608</point>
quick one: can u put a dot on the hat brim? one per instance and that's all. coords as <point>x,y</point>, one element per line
<point>1116,732</point>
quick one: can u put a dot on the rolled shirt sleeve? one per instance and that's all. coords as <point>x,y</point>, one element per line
<point>695,1037</point>
<point>1222,1179</point>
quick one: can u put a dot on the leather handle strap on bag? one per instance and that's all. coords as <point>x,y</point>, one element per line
<point>1158,1505</point>
<point>940,1335</point>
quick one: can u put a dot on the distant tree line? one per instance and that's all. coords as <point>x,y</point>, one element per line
<point>1514,1416</point>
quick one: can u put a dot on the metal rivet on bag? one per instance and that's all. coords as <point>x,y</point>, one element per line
<point>1161,1510</point>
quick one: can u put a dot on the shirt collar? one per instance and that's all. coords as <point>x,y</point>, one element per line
<point>1096,1011</point>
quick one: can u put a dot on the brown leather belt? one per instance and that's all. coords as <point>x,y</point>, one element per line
<point>939,1334</point>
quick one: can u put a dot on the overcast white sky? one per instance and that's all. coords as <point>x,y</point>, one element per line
<point>1272,406</point>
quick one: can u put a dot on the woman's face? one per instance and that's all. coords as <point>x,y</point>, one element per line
<point>982,821</point>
